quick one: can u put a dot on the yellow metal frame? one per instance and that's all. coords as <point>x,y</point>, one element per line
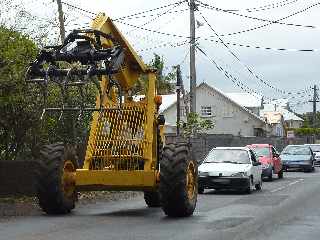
<point>110,179</point>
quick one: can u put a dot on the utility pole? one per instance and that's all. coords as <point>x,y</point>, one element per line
<point>61,21</point>
<point>178,89</point>
<point>193,79</point>
<point>314,101</point>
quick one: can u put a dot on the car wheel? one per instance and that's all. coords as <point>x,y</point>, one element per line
<point>270,177</point>
<point>248,190</point>
<point>308,169</point>
<point>280,174</point>
<point>259,185</point>
<point>313,166</point>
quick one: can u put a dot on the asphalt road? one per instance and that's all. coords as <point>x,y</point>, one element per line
<point>284,209</point>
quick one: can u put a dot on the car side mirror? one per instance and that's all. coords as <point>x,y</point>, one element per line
<point>256,163</point>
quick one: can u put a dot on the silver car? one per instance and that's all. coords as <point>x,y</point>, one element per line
<point>316,150</point>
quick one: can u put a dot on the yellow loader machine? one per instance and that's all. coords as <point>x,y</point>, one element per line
<point>125,150</point>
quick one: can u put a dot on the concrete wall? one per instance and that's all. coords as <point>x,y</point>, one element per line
<point>204,143</point>
<point>229,117</point>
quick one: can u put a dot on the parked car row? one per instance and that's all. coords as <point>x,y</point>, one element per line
<point>243,168</point>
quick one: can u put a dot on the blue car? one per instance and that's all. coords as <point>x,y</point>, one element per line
<point>298,157</point>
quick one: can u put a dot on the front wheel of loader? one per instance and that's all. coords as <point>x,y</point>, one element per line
<point>178,181</point>
<point>152,198</point>
<point>56,189</point>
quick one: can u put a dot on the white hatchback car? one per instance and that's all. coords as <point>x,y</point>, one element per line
<point>230,168</point>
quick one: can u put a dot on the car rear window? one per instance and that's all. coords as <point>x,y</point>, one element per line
<point>228,156</point>
<point>262,151</point>
<point>296,150</point>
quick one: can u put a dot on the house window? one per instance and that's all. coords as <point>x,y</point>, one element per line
<point>206,111</point>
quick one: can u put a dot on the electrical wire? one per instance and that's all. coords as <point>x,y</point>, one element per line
<point>269,22</point>
<point>152,31</point>
<point>167,44</point>
<point>150,10</point>
<point>231,77</point>
<point>152,15</point>
<point>248,68</point>
<point>227,43</point>
<point>160,15</point>
<point>271,6</point>
<point>78,8</point>
<point>262,47</point>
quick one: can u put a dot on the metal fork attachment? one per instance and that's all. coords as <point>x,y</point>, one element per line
<point>89,61</point>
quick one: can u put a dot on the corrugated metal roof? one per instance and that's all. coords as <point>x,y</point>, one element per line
<point>245,99</point>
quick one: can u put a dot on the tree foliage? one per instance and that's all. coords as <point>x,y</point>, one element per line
<point>21,129</point>
<point>16,108</point>
<point>165,83</point>
<point>194,125</point>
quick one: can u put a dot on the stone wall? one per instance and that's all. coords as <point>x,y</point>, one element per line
<point>204,143</point>
<point>17,178</point>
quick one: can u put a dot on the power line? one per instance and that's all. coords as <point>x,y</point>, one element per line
<point>249,69</point>
<point>271,6</point>
<point>146,37</point>
<point>78,8</point>
<point>262,47</point>
<point>171,44</point>
<point>152,31</point>
<point>227,43</point>
<point>269,22</point>
<point>231,77</point>
<point>150,10</point>
<point>160,15</point>
<point>153,15</point>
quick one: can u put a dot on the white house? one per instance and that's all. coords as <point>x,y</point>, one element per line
<point>229,116</point>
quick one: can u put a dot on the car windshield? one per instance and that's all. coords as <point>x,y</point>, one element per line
<point>262,151</point>
<point>236,156</point>
<point>315,148</point>
<point>296,150</point>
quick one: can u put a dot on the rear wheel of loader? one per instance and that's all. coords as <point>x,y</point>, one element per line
<point>178,181</point>
<point>152,198</point>
<point>56,189</point>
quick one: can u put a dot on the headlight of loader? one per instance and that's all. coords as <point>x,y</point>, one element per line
<point>239,174</point>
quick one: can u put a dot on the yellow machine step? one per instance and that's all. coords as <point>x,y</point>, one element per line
<point>94,180</point>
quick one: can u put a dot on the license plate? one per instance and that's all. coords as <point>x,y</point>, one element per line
<point>294,166</point>
<point>223,181</point>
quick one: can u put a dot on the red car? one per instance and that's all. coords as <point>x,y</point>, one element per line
<point>270,159</point>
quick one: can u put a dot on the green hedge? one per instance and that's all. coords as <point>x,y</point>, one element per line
<point>306,131</point>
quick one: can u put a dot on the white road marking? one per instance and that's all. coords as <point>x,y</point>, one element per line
<point>283,187</point>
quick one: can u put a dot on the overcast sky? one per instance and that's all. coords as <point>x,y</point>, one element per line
<point>285,70</point>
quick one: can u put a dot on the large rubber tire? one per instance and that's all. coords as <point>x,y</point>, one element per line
<point>54,196</point>
<point>152,199</point>
<point>178,186</point>
<point>270,177</point>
